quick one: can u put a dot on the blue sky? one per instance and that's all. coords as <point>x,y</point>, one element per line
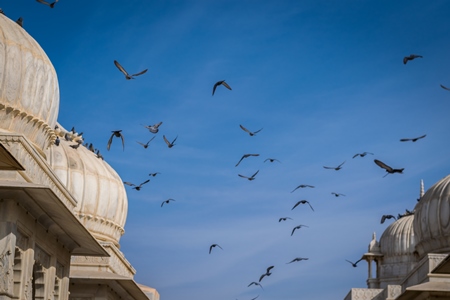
<point>324,79</point>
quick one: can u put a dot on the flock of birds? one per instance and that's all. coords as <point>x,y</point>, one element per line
<point>77,138</point>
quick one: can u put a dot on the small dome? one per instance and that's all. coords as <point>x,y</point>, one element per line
<point>398,239</point>
<point>432,221</point>
<point>102,202</point>
<point>29,91</point>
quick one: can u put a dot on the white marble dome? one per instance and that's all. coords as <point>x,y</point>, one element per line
<point>432,219</point>
<point>29,91</point>
<point>102,203</point>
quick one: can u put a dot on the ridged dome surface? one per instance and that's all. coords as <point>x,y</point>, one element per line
<point>432,222</point>
<point>102,200</point>
<point>29,91</point>
<point>398,239</point>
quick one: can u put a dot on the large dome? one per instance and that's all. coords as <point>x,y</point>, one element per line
<point>29,91</point>
<point>102,200</point>
<point>432,221</point>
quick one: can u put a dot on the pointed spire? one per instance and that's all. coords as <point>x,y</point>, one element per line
<point>422,190</point>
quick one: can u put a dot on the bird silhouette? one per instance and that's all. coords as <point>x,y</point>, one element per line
<point>297,227</point>
<point>153,128</point>
<point>250,132</point>
<point>167,201</point>
<point>272,160</point>
<point>221,82</point>
<point>335,168</point>
<point>249,178</point>
<point>254,298</point>
<point>413,139</point>
<point>284,219</point>
<point>411,57</point>
<point>302,202</point>
<point>445,88</point>
<point>384,217</point>
<point>136,187</point>
<point>169,144</point>
<point>302,186</point>
<point>362,154</point>
<point>297,259</point>
<point>255,283</point>
<point>245,156</point>
<point>388,169</point>
<point>99,155</point>
<point>354,264</point>
<point>213,246</point>
<point>48,4</point>
<point>154,174</point>
<point>146,144</point>
<point>20,21</point>
<point>267,273</point>
<point>75,146</point>
<point>57,141</point>
<point>128,76</point>
<point>337,194</point>
<point>115,133</point>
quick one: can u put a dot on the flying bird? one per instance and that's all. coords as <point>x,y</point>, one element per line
<point>127,76</point>
<point>388,169</point>
<point>284,219</point>
<point>272,160</point>
<point>384,217</point>
<point>445,88</point>
<point>267,273</point>
<point>411,57</point>
<point>167,201</point>
<point>302,186</point>
<point>154,174</point>
<point>337,194</point>
<point>146,144</point>
<point>153,128</point>
<point>297,259</point>
<point>46,3</point>
<point>249,178</point>
<point>245,156</point>
<point>221,82</point>
<point>335,168</point>
<point>255,283</point>
<point>136,187</point>
<point>115,133</point>
<point>413,139</point>
<point>354,263</point>
<point>169,144</point>
<point>302,202</point>
<point>362,154</point>
<point>213,246</point>
<point>254,298</point>
<point>250,132</point>
<point>297,227</point>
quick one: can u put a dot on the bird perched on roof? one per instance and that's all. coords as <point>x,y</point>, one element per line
<point>169,144</point>
<point>411,57</point>
<point>213,246</point>
<point>99,155</point>
<point>116,133</point>
<point>413,139</point>
<point>267,273</point>
<point>302,186</point>
<point>128,76</point>
<point>146,144</point>
<point>272,160</point>
<point>302,202</point>
<point>167,201</point>
<point>297,227</point>
<point>57,141</point>
<point>250,132</point>
<point>75,146</point>
<point>337,194</point>
<point>384,217</point>
<point>255,283</point>
<point>136,187</point>
<point>153,128</point>
<point>20,21</point>
<point>335,168</point>
<point>354,263</point>
<point>221,82</point>
<point>297,259</point>
<point>388,169</point>
<point>362,154</point>
<point>249,178</point>
<point>245,156</point>
<point>46,3</point>
<point>284,219</point>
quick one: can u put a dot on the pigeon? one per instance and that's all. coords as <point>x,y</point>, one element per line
<point>301,186</point>
<point>213,246</point>
<point>297,227</point>
<point>445,88</point>
<point>302,202</point>
<point>362,154</point>
<point>115,133</point>
<point>57,141</point>
<point>337,194</point>
<point>128,76</point>
<point>245,156</point>
<point>354,263</point>
<point>221,82</point>
<point>413,139</point>
<point>169,144</point>
<point>146,144</point>
<point>284,219</point>
<point>136,187</point>
<point>250,132</point>
<point>411,57</point>
<point>99,155</point>
<point>167,201</point>
<point>154,174</point>
<point>272,160</point>
<point>267,273</point>
<point>75,146</point>
<point>153,128</point>
<point>384,217</point>
<point>297,259</point>
<point>20,22</point>
<point>335,168</point>
<point>46,3</point>
<point>388,169</point>
<point>249,178</point>
<point>255,283</point>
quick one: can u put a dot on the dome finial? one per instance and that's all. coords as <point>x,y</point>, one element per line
<point>422,190</point>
